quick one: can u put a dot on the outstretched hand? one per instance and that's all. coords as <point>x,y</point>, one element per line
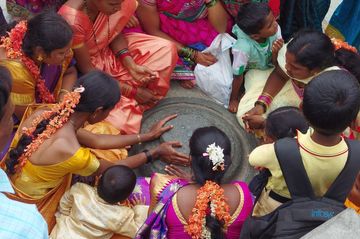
<point>178,172</point>
<point>166,151</point>
<point>142,73</point>
<point>158,128</point>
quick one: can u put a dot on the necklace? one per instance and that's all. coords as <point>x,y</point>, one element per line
<point>92,26</point>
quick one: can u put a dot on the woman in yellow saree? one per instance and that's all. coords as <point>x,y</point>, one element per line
<point>141,63</point>
<point>50,148</point>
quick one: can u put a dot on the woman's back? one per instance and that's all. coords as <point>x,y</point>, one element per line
<point>237,196</point>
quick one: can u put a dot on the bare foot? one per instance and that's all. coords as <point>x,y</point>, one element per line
<point>188,84</point>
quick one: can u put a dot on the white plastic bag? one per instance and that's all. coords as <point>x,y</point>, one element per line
<point>216,80</point>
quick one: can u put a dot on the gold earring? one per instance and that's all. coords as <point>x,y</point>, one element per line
<point>39,58</point>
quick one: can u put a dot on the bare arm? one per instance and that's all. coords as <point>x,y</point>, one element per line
<point>83,60</point>
<point>150,21</point>
<point>218,17</point>
<point>234,97</point>
<point>69,79</point>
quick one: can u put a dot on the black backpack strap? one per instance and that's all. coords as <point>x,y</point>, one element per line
<point>344,182</point>
<point>292,167</point>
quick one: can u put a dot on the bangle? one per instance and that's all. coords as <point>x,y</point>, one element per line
<point>122,53</point>
<point>210,3</point>
<point>149,157</point>
<point>188,53</point>
<point>261,103</point>
<point>139,138</point>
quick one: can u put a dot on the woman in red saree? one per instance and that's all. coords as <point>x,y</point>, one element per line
<point>141,63</point>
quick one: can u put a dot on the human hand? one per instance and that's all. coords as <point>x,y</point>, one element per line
<point>166,151</point>
<point>137,199</point>
<point>144,96</point>
<point>133,22</point>
<point>256,110</point>
<point>205,59</point>
<point>178,172</point>
<point>158,128</point>
<point>253,122</point>
<point>233,105</point>
<point>141,73</point>
<point>275,49</point>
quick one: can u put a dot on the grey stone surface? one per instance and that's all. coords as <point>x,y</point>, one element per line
<point>196,110</point>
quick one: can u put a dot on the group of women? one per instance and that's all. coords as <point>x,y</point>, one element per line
<point>46,54</point>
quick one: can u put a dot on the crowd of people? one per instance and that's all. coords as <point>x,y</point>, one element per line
<point>77,76</point>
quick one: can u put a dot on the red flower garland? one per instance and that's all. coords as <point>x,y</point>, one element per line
<point>12,45</point>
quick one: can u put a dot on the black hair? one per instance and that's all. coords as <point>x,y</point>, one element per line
<point>314,49</point>
<point>47,30</point>
<point>116,184</point>
<point>101,90</point>
<point>251,17</point>
<point>203,168</point>
<point>5,88</point>
<point>284,122</point>
<point>331,101</point>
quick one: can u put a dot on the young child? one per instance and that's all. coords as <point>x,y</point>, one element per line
<point>330,104</point>
<point>89,212</point>
<point>258,35</point>
<point>282,122</point>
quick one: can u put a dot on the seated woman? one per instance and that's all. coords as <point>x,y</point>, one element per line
<point>52,146</point>
<point>307,55</point>
<point>37,53</point>
<point>142,64</point>
<point>191,25</point>
<point>206,207</point>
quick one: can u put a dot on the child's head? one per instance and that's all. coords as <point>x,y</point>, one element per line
<point>331,101</point>
<point>201,164</point>
<point>257,20</point>
<point>116,184</point>
<point>284,122</point>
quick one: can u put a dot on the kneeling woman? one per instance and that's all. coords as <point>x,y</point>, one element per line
<point>49,150</point>
<point>205,208</point>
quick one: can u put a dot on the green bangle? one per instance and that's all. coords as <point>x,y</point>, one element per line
<point>211,4</point>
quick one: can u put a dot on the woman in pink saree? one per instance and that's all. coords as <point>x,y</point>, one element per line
<point>141,63</point>
<point>203,207</point>
<point>191,25</point>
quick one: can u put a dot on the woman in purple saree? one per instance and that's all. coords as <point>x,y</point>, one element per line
<point>177,208</point>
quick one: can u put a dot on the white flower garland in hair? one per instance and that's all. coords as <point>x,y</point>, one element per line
<point>216,155</point>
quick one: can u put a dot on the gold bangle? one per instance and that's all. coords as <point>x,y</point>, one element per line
<point>139,138</point>
<point>267,94</point>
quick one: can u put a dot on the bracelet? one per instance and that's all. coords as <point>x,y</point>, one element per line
<point>261,103</point>
<point>210,3</point>
<point>121,54</point>
<point>188,53</point>
<point>149,157</point>
<point>139,138</point>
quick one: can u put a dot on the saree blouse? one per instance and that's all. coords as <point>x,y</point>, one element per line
<point>37,180</point>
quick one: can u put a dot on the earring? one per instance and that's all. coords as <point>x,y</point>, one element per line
<point>39,58</point>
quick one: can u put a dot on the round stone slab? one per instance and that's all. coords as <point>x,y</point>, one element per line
<point>194,113</point>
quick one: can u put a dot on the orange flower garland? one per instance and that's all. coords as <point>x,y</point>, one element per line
<point>62,112</point>
<point>12,45</point>
<point>211,193</point>
<point>341,44</point>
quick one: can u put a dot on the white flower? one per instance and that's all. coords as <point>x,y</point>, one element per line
<point>216,155</point>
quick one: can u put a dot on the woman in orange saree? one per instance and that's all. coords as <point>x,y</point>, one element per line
<point>141,63</point>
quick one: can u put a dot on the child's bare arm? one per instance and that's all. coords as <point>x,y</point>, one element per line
<point>235,93</point>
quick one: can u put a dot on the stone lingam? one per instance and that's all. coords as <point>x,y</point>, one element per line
<point>193,112</point>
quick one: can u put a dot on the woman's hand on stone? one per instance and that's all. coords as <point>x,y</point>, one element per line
<point>166,151</point>
<point>159,128</point>
<point>205,59</point>
<point>257,110</point>
<point>254,122</point>
<point>144,96</point>
<point>178,172</point>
